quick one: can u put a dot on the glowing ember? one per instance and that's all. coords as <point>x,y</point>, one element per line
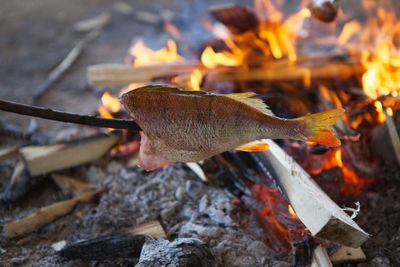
<point>277,217</point>
<point>353,183</point>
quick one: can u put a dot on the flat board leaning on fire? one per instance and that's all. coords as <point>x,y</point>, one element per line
<point>323,217</point>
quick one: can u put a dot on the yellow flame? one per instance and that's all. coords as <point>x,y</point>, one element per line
<point>211,59</point>
<point>111,103</point>
<point>195,79</point>
<point>379,110</point>
<point>145,56</point>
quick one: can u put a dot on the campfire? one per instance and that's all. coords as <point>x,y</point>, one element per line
<point>298,61</point>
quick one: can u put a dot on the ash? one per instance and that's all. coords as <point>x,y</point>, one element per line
<point>187,207</point>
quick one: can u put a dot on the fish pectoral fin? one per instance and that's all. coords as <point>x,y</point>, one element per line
<point>256,146</point>
<point>147,159</point>
<point>152,162</point>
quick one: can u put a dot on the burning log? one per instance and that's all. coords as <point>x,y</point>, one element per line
<point>237,19</point>
<point>48,158</point>
<point>46,215</point>
<point>326,71</point>
<point>119,74</point>
<point>314,208</point>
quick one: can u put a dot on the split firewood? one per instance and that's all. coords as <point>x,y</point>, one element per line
<point>394,136</point>
<point>321,257</point>
<point>120,74</point>
<point>48,158</point>
<point>236,18</point>
<point>70,186</point>
<point>326,71</point>
<point>348,255</point>
<point>323,217</point>
<point>46,215</point>
<point>125,245</point>
<point>9,152</point>
<point>20,183</point>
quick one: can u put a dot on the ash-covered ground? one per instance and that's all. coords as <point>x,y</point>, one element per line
<point>185,205</point>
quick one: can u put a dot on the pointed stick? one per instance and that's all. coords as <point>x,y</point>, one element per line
<point>49,114</point>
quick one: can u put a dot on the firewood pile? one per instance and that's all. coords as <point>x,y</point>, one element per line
<point>295,204</point>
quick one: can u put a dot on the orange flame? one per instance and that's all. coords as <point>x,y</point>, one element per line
<point>353,183</point>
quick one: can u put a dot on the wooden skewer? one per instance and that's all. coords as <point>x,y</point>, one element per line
<point>49,114</point>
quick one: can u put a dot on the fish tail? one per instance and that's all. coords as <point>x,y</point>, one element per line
<point>318,127</point>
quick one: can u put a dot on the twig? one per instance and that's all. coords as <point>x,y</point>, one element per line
<point>65,64</point>
<point>49,114</point>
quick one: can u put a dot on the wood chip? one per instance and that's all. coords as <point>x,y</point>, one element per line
<point>348,255</point>
<point>46,215</point>
<point>48,158</point>
<point>70,186</point>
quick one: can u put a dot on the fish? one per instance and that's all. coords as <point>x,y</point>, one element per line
<point>179,125</point>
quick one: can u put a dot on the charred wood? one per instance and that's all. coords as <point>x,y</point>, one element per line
<point>236,18</point>
<point>20,183</point>
<point>180,253</point>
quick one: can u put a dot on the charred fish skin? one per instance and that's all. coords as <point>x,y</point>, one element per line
<point>189,126</point>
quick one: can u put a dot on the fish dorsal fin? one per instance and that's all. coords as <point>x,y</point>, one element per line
<point>246,98</point>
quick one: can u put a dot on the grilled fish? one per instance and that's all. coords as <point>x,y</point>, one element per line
<point>188,126</point>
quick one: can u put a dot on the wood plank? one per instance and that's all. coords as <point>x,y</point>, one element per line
<point>46,215</point>
<point>348,255</point>
<point>48,158</point>
<point>121,74</point>
<point>320,257</point>
<point>323,217</point>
